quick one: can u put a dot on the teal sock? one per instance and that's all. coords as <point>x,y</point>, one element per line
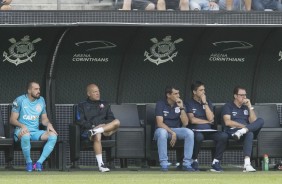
<point>48,148</point>
<point>25,144</point>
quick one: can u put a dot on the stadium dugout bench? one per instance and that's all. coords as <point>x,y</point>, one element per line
<point>270,136</point>
<point>127,143</point>
<point>130,134</point>
<point>6,142</point>
<point>56,160</point>
<point>151,145</point>
<point>77,145</point>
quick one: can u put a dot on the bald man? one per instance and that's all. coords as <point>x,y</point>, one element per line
<point>96,120</point>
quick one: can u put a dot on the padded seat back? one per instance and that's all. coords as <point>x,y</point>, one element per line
<point>269,114</point>
<point>127,114</point>
<point>218,121</point>
<point>130,135</point>
<point>151,117</point>
<point>2,130</point>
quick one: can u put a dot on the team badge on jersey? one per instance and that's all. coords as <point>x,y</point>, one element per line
<point>177,110</point>
<point>38,108</point>
<point>246,112</point>
<point>15,104</point>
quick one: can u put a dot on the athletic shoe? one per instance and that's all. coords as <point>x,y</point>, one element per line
<point>37,166</point>
<point>103,168</point>
<point>216,167</point>
<point>195,166</point>
<point>90,133</point>
<point>164,168</point>
<point>28,167</point>
<point>188,168</point>
<point>249,168</point>
<point>237,135</point>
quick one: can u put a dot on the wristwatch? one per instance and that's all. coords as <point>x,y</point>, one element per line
<point>205,103</point>
<point>182,108</point>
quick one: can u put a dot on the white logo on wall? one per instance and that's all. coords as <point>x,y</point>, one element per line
<point>91,46</point>
<point>227,46</point>
<point>162,51</point>
<point>280,55</point>
<point>21,51</point>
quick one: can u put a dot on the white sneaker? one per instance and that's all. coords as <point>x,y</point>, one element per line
<point>237,135</point>
<point>103,168</point>
<point>249,168</point>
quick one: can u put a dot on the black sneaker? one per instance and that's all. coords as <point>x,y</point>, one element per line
<point>195,166</point>
<point>103,168</point>
<point>188,168</point>
<point>216,167</point>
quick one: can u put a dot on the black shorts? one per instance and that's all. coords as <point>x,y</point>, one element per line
<point>170,4</point>
<point>140,4</point>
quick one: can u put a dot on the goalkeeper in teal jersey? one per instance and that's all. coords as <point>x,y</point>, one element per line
<point>27,112</point>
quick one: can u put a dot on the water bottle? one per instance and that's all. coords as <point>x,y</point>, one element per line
<point>265,166</point>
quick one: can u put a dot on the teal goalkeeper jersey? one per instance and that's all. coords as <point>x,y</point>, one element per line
<point>29,111</point>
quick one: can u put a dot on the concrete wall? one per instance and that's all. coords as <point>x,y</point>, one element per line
<point>62,5</point>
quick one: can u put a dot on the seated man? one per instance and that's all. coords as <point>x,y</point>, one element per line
<point>172,4</point>
<point>262,5</point>
<point>27,110</point>
<point>138,4</point>
<point>200,113</point>
<point>171,122</point>
<point>235,5</point>
<point>96,119</point>
<point>5,5</point>
<point>241,123</point>
<point>204,5</point>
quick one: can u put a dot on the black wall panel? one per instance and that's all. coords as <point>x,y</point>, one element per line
<point>25,53</point>
<point>134,64</point>
<point>227,57</point>
<point>90,55</point>
<point>269,75</point>
<point>158,57</point>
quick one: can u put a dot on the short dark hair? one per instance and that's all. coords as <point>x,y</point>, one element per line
<point>195,85</point>
<point>237,88</point>
<point>29,84</point>
<point>168,89</point>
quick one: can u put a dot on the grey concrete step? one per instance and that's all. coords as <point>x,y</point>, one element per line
<point>63,5</point>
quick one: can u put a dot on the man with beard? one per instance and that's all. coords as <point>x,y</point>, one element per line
<point>27,111</point>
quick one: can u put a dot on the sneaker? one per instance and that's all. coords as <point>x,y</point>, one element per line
<point>164,168</point>
<point>103,168</point>
<point>90,133</point>
<point>249,168</point>
<point>28,167</point>
<point>188,168</point>
<point>237,135</point>
<point>216,167</point>
<point>178,166</point>
<point>195,166</point>
<point>37,166</point>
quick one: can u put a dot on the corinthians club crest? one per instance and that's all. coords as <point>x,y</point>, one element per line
<point>21,51</point>
<point>162,51</point>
